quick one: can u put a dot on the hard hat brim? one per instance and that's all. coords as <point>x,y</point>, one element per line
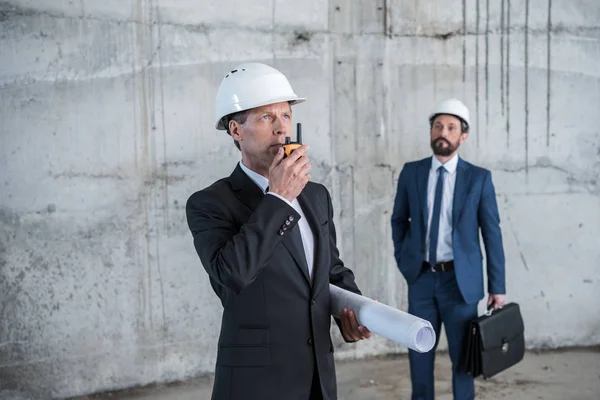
<point>448,113</point>
<point>245,107</point>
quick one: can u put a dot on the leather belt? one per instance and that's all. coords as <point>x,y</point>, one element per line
<point>439,267</point>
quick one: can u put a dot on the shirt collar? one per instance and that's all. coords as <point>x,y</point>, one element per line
<point>450,165</point>
<point>260,180</point>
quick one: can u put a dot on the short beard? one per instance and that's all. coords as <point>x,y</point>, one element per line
<point>443,151</point>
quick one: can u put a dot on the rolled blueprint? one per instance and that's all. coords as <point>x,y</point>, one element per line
<point>391,323</point>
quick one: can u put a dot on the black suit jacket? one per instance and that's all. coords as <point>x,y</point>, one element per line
<point>276,322</point>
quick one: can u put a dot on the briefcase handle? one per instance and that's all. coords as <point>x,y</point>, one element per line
<point>490,310</point>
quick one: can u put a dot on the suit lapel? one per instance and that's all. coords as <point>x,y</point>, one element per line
<point>314,213</point>
<point>293,243</point>
<point>316,217</point>
<point>422,179</point>
<point>245,189</point>
<point>251,195</point>
<point>463,178</point>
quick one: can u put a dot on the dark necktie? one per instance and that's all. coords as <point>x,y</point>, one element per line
<point>435,217</point>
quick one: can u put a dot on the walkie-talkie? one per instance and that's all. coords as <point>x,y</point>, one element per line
<point>290,146</point>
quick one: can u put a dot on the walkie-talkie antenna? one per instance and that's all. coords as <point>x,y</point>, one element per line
<point>289,146</point>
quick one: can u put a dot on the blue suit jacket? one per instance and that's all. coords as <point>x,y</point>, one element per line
<point>474,208</point>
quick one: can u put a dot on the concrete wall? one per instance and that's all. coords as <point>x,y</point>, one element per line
<point>106,114</point>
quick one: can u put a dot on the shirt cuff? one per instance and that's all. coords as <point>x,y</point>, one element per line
<point>281,197</point>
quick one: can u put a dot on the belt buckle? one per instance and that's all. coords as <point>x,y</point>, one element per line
<point>442,266</point>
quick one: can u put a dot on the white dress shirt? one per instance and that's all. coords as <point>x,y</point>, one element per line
<point>444,246</point>
<point>308,239</point>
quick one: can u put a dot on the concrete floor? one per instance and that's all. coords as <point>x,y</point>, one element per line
<point>557,375</point>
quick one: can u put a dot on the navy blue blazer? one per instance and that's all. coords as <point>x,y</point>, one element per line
<point>474,208</point>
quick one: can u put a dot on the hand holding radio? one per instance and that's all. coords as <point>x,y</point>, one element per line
<point>288,173</point>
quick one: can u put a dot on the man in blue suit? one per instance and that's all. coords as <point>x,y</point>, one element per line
<point>441,204</point>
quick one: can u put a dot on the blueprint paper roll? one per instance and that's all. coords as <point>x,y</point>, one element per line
<point>391,323</point>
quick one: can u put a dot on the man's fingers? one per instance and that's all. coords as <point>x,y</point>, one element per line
<point>365,332</point>
<point>350,334</point>
<point>345,324</point>
<point>296,154</point>
<point>354,323</point>
<point>278,157</point>
<point>299,168</point>
<point>499,302</point>
<point>347,331</point>
<point>496,300</point>
<point>305,168</point>
<point>296,164</point>
<point>301,163</point>
<point>350,328</point>
<point>362,332</point>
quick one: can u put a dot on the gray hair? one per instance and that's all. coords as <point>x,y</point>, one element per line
<point>239,117</point>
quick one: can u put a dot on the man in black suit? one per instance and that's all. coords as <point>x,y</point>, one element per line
<point>265,236</point>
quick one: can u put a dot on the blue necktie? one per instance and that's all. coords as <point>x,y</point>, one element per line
<point>435,218</point>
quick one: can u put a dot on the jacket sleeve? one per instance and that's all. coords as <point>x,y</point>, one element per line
<point>339,275</point>
<point>489,221</point>
<point>400,216</point>
<point>233,256</point>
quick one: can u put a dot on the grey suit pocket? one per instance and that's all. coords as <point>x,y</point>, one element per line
<point>251,335</point>
<point>244,356</point>
<point>245,335</point>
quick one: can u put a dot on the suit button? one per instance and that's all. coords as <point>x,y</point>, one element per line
<point>313,301</point>
<point>291,218</point>
<point>310,341</point>
<point>287,222</point>
<point>280,232</point>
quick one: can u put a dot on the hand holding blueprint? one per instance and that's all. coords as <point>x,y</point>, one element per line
<point>391,323</point>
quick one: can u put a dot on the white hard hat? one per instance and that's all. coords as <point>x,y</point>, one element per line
<point>251,85</point>
<point>452,107</point>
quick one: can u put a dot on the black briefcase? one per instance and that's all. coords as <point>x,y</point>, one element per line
<point>495,342</point>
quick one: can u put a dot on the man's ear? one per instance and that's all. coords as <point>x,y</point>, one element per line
<point>463,137</point>
<point>235,131</point>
